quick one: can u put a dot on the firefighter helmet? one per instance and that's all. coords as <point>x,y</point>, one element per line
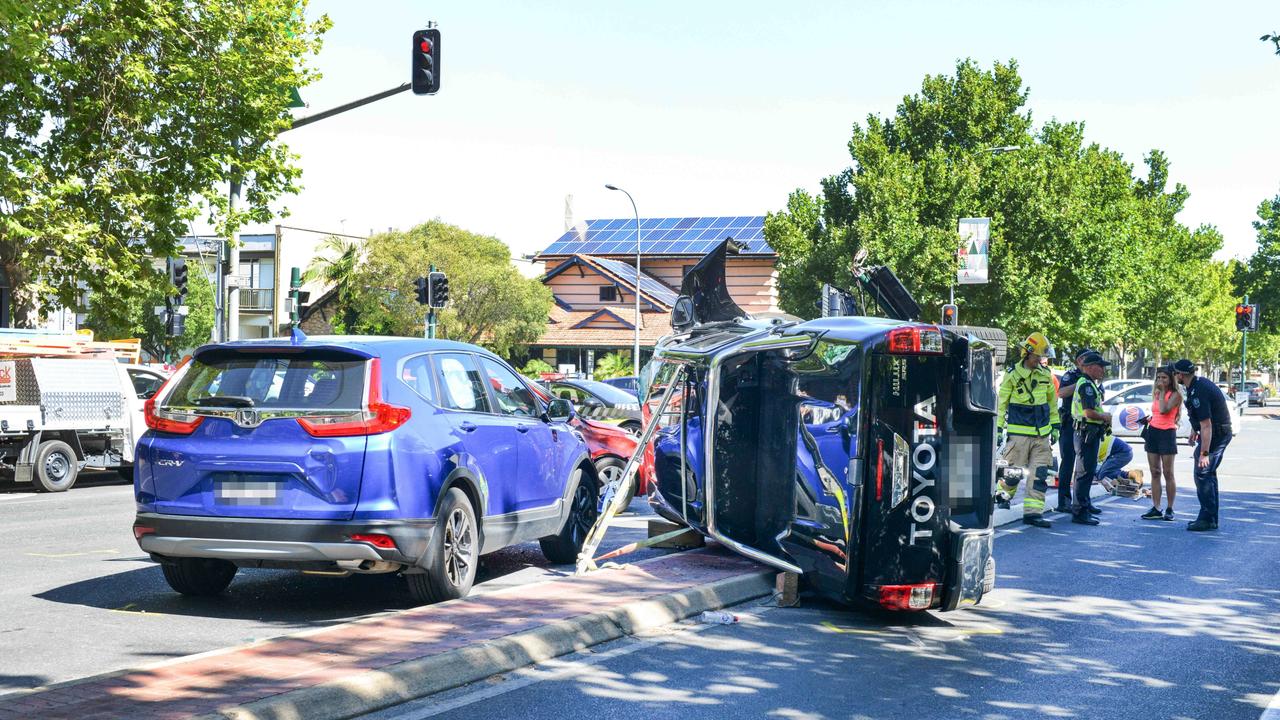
<point>1036,343</point>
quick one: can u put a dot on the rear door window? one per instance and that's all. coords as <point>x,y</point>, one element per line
<point>461,384</point>
<point>288,380</point>
<point>512,396</point>
<point>416,373</point>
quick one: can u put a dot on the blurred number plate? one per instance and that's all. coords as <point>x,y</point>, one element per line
<point>247,492</point>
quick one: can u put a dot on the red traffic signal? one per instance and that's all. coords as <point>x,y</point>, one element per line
<point>425,78</point>
<point>950,314</point>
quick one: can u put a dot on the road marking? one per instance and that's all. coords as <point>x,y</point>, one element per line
<point>129,609</point>
<point>73,554</point>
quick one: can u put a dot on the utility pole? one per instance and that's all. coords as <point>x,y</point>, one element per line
<point>295,288</point>
<point>1244,354</point>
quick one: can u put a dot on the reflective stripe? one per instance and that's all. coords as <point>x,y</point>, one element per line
<point>1030,505</point>
<point>1077,408</point>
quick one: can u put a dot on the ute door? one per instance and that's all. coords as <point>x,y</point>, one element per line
<point>822,538</point>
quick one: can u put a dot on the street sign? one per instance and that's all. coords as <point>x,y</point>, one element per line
<point>975,246</point>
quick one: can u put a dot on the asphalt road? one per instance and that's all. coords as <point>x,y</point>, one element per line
<point>78,598</point>
<point>1131,619</point>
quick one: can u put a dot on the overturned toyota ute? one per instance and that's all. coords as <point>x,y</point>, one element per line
<point>856,450</point>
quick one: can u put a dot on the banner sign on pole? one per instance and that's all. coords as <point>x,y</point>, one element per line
<point>975,245</point>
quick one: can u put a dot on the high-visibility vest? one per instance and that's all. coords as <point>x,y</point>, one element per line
<point>1026,402</point>
<point>1077,409</point>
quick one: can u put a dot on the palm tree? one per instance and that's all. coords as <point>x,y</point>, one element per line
<point>335,264</point>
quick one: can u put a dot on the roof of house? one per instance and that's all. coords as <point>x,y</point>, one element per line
<point>661,236</point>
<point>569,328</point>
<point>193,244</point>
<point>623,276</point>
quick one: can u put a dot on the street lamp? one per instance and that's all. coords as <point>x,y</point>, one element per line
<point>635,352</point>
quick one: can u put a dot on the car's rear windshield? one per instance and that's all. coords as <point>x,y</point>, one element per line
<point>314,380</point>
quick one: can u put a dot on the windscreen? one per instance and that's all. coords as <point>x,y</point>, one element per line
<point>608,393</point>
<point>311,380</point>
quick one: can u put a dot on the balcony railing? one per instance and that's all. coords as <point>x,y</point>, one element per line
<point>257,299</point>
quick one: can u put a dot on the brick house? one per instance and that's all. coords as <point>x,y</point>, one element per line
<point>592,275</point>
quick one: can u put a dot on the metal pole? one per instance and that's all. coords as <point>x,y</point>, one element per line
<point>219,293</point>
<point>295,286</point>
<point>302,122</point>
<point>635,351</point>
<point>1244,354</point>
<point>431,311</point>
<point>233,256</point>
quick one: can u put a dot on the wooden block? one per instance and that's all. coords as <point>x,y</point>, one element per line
<point>687,539</point>
<point>787,586</point>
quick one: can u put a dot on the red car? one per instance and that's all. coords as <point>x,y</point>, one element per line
<point>610,446</point>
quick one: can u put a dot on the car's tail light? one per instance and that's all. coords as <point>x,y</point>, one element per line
<point>908,597</point>
<point>140,530</point>
<point>166,419</point>
<point>376,417</point>
<point>879,469</point>
<point>386,542</point>
<point>170,420</point>
<point>915,340</point>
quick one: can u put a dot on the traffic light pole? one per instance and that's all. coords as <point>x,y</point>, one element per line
<point>431,311</point>
<point>1244,353</point>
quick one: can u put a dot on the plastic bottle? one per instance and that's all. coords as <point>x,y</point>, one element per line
<point>718,617</point>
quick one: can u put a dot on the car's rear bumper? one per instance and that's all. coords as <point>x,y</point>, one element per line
<point>256,541</point>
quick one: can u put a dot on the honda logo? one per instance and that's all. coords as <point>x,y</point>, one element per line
<point>248,418</point>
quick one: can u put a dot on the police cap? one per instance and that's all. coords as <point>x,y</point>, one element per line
<point>1093,358</point>
<point>1185,366</point>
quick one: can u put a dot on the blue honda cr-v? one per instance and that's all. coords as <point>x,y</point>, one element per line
<point>355,455</point>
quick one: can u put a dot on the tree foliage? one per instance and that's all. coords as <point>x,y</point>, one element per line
<point>1082,248</point>
<point>121,121</point>
<point>491,303</point>
<point>142,322</point>
<point>1259,279</point>
<point>535,368</point>
<point>613,365</point>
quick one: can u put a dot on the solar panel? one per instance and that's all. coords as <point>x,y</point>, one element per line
<point>671,236</point>
<point>648,285</point>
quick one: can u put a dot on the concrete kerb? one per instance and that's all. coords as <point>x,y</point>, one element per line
<point>413,679</point>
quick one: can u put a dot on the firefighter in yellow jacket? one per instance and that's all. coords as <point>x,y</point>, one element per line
<point>1028,427</point>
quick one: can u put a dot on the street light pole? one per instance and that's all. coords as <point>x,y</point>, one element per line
<point>635,352</point>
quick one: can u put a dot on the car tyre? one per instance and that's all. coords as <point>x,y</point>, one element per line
<point>125,472</point>
<point>563,547</point>
<point>56,467</point>
<point>632,426</point>
<point>199,577</point>
<point>453,554</point>
<point>610,468</point>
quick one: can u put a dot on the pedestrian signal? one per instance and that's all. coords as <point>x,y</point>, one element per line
<point>421,285</point>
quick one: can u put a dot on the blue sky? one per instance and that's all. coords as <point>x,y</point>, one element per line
<point>701,108</point>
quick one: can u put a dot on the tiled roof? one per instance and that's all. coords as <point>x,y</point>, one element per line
<point>561,333</point>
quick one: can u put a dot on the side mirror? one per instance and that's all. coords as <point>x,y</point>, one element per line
<point>559,410</point>
<point>682,314</point>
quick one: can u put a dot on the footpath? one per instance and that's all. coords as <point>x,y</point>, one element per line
<point>367,665</point>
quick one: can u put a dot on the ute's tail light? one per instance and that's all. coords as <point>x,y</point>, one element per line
<point>376,417</point>
<point>377,540</point>
<point>169,420</point>
<point>915,340</point>
<point>879,469</point>
<point>140,530</point>
<point>908,597</point>
<point>166,419</point>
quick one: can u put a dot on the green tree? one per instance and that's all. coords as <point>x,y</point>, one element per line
<point>535,368</point>
<point>335,264</point>
<point>1080,247</point>
<point>491,303</point>
<point>1259,277</point>
<point>143,323</point>
<point>121,121</point>
<point>617,364</point>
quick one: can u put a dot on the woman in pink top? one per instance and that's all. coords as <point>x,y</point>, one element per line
<point>1162,441</point>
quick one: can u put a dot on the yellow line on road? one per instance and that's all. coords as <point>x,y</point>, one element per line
<point>129,609</point>
<point>73,554</point>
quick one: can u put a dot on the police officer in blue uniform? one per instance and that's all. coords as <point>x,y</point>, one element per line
<point>1210,433</point>
<point>1067,439</point>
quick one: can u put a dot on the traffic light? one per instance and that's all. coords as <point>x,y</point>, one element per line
<point>1251,318</point>
<point>426,62</point>
<point>178,276</point>
<point>421,285</point>
<point>175,324</point>
<point>438,286</point>
<point>950,314</point>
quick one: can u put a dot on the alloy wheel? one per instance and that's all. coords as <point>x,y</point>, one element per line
<point>458,541</point>
<point>581,519</point>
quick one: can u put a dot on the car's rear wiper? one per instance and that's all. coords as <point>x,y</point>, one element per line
<point>235,401</point>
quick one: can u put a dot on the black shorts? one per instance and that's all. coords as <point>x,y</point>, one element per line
<point>1162,442</point>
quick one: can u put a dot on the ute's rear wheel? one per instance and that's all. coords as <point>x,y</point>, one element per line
<point>56,467</point>
<point>453,554</point>
<point>563,547</point>
<point>200,577</point>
